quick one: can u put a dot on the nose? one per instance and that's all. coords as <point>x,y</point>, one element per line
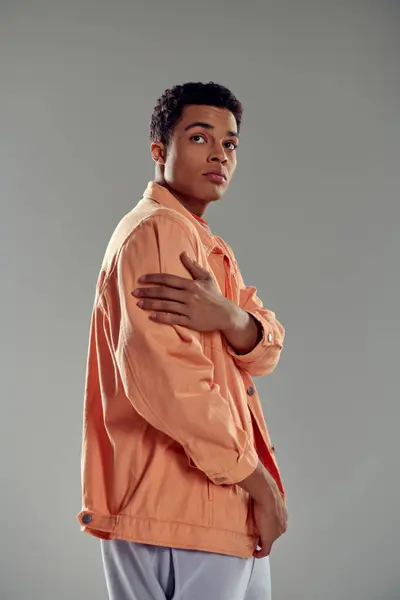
<point>218,155</point>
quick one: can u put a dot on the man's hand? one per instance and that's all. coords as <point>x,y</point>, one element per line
<point>271,520</point>
<point>270,512</point>
<point>196,304</point>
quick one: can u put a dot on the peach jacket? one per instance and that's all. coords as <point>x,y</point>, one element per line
<point>172,418</point>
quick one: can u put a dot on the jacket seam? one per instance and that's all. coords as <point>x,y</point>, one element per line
<point>158,214</point>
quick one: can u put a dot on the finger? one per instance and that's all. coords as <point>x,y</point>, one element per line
<point>169,318</point>
<point>194,268</point>
<point>261,553</point>
<point>265,550</point>
<point>173,281</point>
<point>162,306</point>
<point>163,293</point>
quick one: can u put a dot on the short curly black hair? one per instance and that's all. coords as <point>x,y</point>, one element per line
<point>170,106</point>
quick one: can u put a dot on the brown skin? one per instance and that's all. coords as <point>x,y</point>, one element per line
<point>193,151</point>
<point>196,303</point>
<point>180,167</point>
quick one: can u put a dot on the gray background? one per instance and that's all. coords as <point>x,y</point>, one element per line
<point>313,215</point>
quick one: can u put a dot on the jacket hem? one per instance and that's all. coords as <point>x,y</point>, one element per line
<point>168,534</point>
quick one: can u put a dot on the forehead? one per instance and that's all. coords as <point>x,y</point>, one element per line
<point>220,118</point>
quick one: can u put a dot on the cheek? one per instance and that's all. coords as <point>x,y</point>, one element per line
<point>183,164</point>
<point>232,166</point>
<point>180,173</point>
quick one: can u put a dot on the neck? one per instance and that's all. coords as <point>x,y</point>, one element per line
<point>194,205</point>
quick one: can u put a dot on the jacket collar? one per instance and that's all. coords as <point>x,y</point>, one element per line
<point>160,194</point>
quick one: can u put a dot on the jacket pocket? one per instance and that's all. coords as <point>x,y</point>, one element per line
<point>207,480</point>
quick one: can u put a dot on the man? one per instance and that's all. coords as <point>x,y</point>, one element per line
<point>179,476</point>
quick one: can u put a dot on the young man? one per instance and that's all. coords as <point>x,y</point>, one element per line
<point>179,476</point>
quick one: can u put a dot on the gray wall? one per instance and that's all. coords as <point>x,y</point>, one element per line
<point>313,216</point>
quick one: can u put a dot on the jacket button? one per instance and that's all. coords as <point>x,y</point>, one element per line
<point>251,391</point>
<point>86,519</point>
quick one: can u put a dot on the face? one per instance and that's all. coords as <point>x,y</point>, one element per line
<point>200,160</point>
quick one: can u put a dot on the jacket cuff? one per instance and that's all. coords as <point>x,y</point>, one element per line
<point>269,337</point>
<point>245,466</point>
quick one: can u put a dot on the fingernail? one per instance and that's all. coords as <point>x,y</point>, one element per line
<point>140,303</point>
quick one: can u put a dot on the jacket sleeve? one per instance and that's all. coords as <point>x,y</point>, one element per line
<point>165,373</point>
<point>265,356</point>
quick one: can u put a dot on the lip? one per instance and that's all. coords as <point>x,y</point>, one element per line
<point>216,176</point>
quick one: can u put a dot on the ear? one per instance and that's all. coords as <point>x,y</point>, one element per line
<point>158,152</point>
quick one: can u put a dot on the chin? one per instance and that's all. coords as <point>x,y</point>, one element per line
<point>215,194</point>
<point>216,197</point>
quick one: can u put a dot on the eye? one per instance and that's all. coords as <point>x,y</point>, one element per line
<point>232,144</point>
<point>197,139</point>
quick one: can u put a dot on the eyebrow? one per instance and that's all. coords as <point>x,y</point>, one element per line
<point>208,126</point>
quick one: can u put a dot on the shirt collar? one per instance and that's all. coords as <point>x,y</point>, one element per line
<point>160,194</point>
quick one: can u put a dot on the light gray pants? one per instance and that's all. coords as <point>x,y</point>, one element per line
<point>142,572</point>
